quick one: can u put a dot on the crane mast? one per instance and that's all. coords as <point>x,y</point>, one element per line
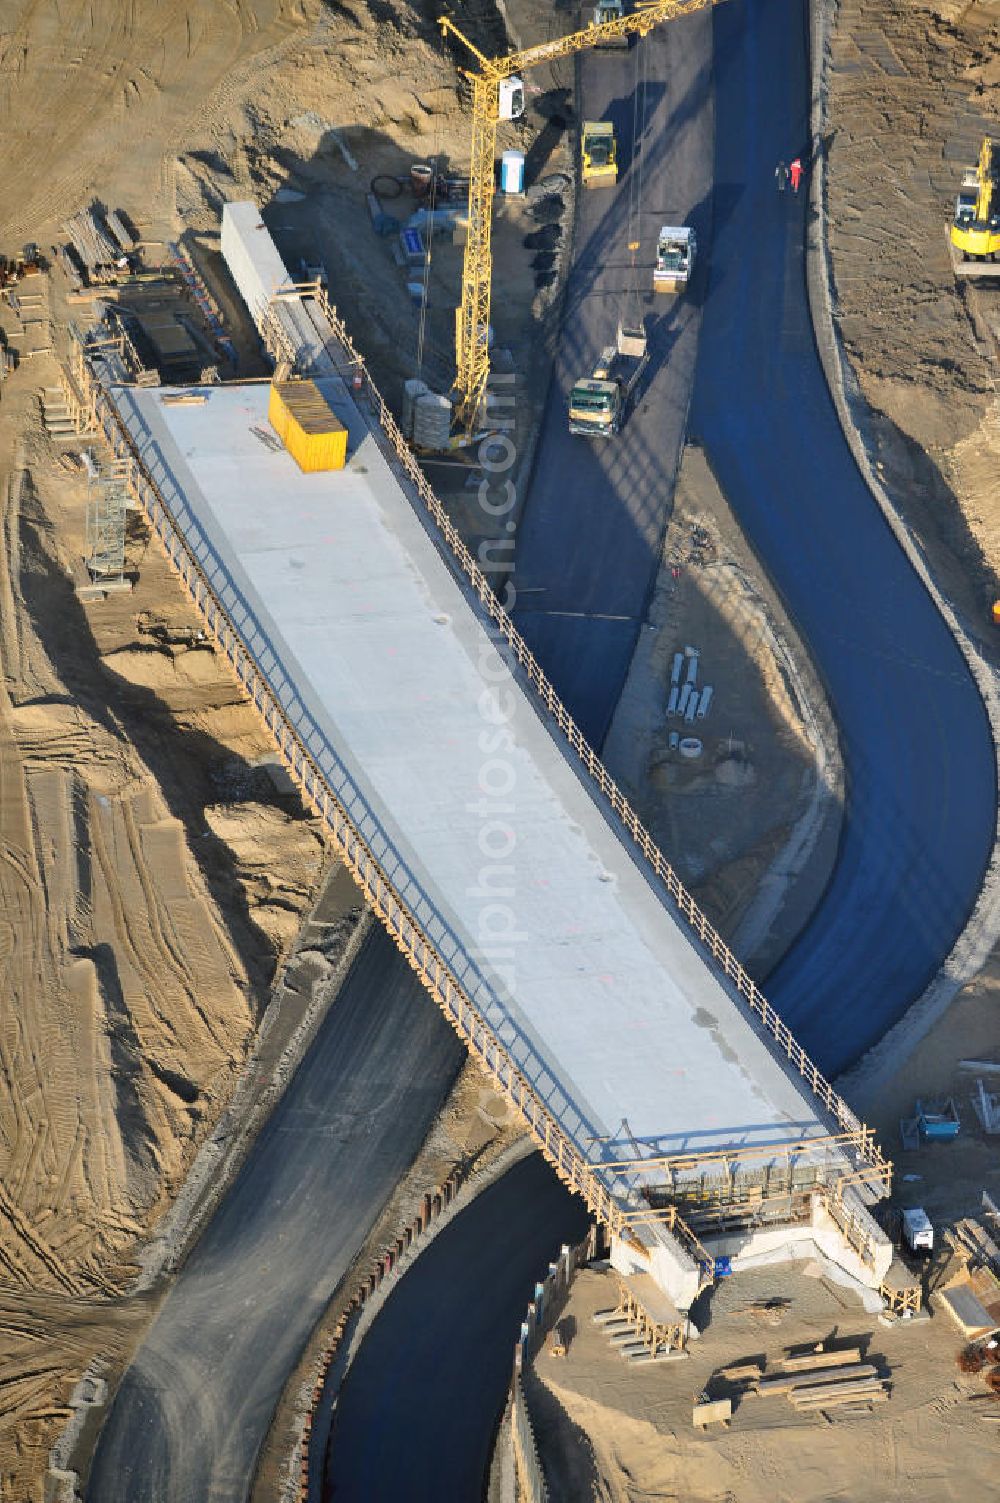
<point>472,357</point>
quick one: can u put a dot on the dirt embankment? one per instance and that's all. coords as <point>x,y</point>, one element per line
<point>751,822</point>
<point>151,876</point>
<point>150,881</point>
<point>913,87</point>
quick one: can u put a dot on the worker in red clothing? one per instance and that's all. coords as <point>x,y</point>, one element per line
<point>795,173</point>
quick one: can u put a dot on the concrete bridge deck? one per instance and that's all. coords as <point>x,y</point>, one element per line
<point>533,903</point>
<point>481,822</point>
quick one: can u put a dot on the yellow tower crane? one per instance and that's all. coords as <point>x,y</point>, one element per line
<point>498,94</point>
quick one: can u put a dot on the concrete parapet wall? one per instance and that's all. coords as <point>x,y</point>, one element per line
<point>666,1261</point>
<point>820,1238</point>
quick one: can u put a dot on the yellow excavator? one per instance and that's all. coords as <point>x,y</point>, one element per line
<point>975,230</point>
<point>599,153</point>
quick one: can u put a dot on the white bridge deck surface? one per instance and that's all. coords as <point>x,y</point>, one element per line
<point>382,661</point>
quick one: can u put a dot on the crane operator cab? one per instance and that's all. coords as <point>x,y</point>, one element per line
<point>599,154</point>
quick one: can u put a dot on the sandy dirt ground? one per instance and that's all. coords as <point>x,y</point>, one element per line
<point>122,82</point>
<point>621,1434</point>
<point>913,88</point>
<point>150,877</point>
<point>752,824</point>
<point>150,881</point>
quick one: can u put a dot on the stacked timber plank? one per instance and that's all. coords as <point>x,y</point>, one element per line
<point>817,1381</point>
<point>973,1243</point>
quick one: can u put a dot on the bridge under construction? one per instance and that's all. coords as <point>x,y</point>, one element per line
<point>484,832</point>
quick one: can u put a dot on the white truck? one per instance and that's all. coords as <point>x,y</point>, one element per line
<point>598,403</point>
<point>918,1232</point>
<point>675,253</point>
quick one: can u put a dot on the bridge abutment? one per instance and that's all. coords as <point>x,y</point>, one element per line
<point>843,1234</point>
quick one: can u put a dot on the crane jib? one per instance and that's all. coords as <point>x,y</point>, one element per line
<point>472,323</point>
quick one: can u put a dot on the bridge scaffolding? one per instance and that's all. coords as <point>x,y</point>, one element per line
<point>850,1169</point>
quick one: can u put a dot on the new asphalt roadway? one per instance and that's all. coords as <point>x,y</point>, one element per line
<point>917,746</point>
<point>589,540</point>
<point>194,1406</point>
<point>918,752</point>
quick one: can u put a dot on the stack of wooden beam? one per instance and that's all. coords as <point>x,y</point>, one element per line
<point>120,231</point>
<point>970,1240</point>
<point>824,1380</point>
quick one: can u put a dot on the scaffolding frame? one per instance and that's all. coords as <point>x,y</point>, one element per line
<point>107,504</point>
<point>611,1206</point>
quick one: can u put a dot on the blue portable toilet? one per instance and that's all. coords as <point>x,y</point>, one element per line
<point>512,172</point>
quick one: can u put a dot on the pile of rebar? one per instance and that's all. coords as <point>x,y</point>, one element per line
<point>93,243</point>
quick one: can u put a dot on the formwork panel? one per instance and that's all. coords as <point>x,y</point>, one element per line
<point>304,421</point>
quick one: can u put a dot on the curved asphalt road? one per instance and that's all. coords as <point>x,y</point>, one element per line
<point>410,1423</point>
<point>919,754</point>
<point>918,751</point>
<point>921,777</point>
<point>194,1406</point>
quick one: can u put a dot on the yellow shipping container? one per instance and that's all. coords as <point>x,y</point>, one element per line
<point>306,425</point>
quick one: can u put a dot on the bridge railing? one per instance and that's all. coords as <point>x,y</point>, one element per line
<point>688,908</point>
<point>576,1172</point>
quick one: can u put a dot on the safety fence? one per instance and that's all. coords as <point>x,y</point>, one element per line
<point>434,1203</point>
<point>530,1476</point>
<point>577,1172</point>
<point>720,1178</point>
<point>689,910</point>
<point>543,1309</point>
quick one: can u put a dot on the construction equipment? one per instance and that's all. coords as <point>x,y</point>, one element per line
<point>605,11</point>
<point>675,253</point>
<point>938,1121</point>
<point>598,154</point>
<point>14,269</point>
<point>423,181</point>
<point>918,1232</point>
<point>975,230</point>
<point>498,94</point>
<point>598,404</point>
